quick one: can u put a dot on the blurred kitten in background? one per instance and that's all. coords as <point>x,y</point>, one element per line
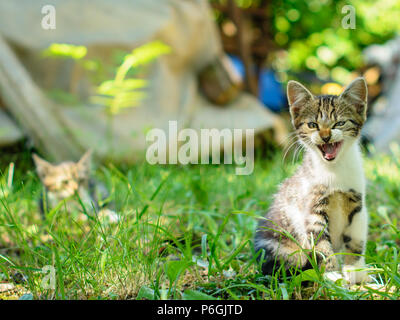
<point>72,182</point>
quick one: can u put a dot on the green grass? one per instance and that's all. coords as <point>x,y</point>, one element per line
<point>186,233</point>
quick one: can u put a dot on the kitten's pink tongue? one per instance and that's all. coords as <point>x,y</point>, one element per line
<point>330,150</point>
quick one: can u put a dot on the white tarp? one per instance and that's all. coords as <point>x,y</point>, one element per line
<point>185,25</point>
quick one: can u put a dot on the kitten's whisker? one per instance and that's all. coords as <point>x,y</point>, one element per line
<point>295,153</point>
<point>289,139</point>
<point>291,145</point>
<point>290,135</point>
<point>298,152</point>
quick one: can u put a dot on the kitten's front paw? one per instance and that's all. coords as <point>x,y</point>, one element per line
<point>355,275</point>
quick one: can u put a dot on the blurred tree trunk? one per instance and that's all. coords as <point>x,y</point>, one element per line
<point>244,47</point>
<point>35,114</point>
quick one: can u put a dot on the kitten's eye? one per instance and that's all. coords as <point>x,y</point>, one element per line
<point>339,124</point>
<point>312,125</point>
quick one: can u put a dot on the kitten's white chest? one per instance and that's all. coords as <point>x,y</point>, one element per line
<point>345,175</point>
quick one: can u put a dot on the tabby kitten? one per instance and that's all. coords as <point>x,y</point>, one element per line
<point>322,206</point>
<point>72,183</point>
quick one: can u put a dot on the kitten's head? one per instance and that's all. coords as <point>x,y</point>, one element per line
<point>63,180</point>
<point>327,124</point>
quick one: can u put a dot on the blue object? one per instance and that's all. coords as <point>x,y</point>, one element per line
<point>238,64</point>
<point>269,89</point>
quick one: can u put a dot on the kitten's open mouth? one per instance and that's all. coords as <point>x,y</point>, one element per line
<point>330,150</point>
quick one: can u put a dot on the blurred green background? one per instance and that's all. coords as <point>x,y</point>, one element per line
<point>307,36</point>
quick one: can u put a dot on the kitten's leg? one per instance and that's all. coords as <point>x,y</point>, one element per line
<point>318,230</point>
<point>270,237</point>
<point>354,239</point>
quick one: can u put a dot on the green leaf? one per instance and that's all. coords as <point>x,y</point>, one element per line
<point>204,246</point>
<point>145,293</point>
<point>122,93</point>
<point>65,50</point>
<point>196,295</point>
<point>141,56</point>
<point>112,87</point>
<point>307,275</point>
<point>284,292</point>
<point>174,269</point>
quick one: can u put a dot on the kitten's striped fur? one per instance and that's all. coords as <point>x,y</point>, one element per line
<point>322,206</point>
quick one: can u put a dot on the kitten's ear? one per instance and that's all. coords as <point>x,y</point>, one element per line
<point>84,164</point>
<point>356,94</point>
<point>298,96</point>
<point>42,166</point>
